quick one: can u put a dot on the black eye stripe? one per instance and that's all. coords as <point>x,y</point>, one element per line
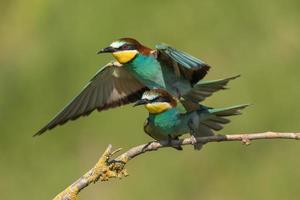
<point>127,47</point>
<point>161,99</point>
<point>165,99</point>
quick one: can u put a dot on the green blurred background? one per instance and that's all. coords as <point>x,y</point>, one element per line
<point>48,52</point>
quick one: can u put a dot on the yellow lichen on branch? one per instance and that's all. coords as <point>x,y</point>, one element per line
<point>103,170</point>
<point>107,167</point>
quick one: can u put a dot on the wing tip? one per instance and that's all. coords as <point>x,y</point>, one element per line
<point>45,129</point>
<point>40,132</point>
<point>234,77</point>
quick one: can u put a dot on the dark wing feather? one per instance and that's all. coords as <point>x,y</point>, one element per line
<point>112,86</point>
<point>184,64</point>
<point>204,89</point>
<point>216,118</point>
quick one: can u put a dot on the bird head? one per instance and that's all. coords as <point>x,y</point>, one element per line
<point>125,49</point>
<point>157,101</point>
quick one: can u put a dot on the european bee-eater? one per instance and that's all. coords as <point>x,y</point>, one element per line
<point>138,69</point>
<point>169,120</point>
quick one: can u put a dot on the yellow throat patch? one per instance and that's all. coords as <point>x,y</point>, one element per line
<point>125,56</point>
<point>157,107</point>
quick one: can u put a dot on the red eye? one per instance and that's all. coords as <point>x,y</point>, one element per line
<point>125,47</point>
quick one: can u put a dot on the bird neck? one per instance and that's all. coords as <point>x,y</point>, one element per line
<point>165,114</point>
<point>144,50</point>
<point>168,116</point>
<point>147,70</point>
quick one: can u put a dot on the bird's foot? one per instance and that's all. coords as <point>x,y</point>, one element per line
<point>171,142</point>
<point>197,145</point>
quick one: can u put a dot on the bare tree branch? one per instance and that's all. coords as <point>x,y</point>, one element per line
<point>108,167</point>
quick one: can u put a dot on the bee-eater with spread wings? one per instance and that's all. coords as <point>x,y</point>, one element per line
<point>138,69</point>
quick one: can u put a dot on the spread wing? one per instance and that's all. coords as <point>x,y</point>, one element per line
<point>184,64</point>
<point>112,86</point>
<point>202,90</point>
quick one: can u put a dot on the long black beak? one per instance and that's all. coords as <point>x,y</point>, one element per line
<point>141,102</point>
<point>106,50</point>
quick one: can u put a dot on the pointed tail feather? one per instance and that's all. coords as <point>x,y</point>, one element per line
<point>218,117</point>
<point>207,120</point>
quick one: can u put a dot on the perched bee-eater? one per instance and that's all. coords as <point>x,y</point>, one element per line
<point>169,120</point>
<point>138,69</point>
